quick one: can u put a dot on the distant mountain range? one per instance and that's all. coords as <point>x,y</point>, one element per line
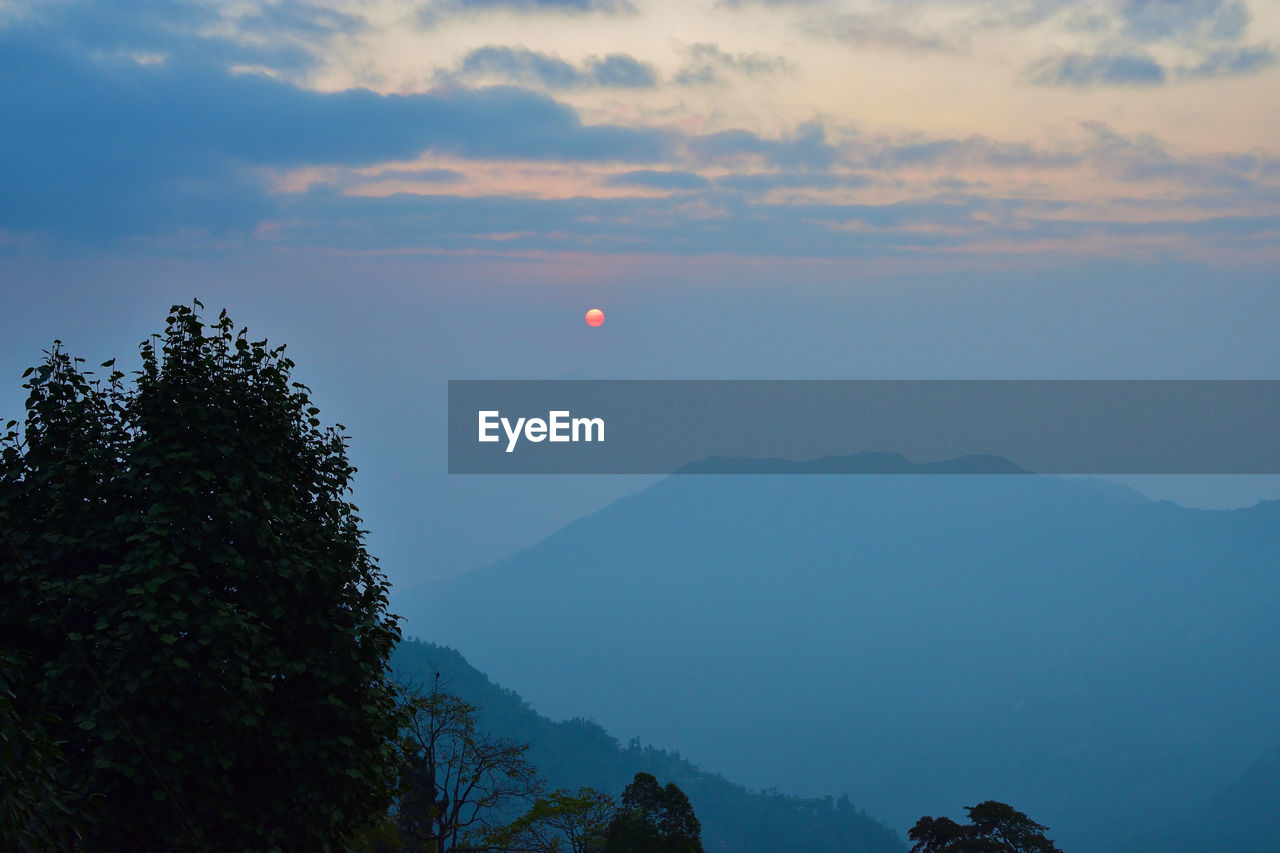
<point>1100,661</point>
<point>573,753</point>
<point>859,463</point>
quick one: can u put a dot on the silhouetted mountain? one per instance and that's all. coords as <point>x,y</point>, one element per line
<point>576,752</point>
<point>1096,659</point>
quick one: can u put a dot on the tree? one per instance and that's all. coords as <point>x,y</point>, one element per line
<point>653,819</point>
<point>993,828</point>
<point>36,811</point>
<point>184,570</point>
<point>561,822</point>
<point>458,783</point>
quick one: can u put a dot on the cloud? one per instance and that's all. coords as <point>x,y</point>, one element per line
<point>1211,29</point>
<point>1187,21</point>
<point>1142,21</point>
<point>764,182</point>
<point>737,4</point>
<point>807,148</point>
<point>659,180</point>
<point>558,5</point>
<point>1144,158</point>
<point>562,6</point>
<point>1231,62</point>
<point>280,37</point>
<point>881,31</point>
<point>618,69</point>
<point>521,65</point>
<point>425,176</point>
<point>706,223</point>
<point>704,63</point>
<point>1021,14</point>
<point>270,21</point>
<point>889,154</point>
<point>1217,231</point>
<point>110,146</point>
<point>713,222</point>
<point>96,146</point>
<point>1104,69</point>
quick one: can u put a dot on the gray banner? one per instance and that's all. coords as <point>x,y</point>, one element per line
<point>864,426</point>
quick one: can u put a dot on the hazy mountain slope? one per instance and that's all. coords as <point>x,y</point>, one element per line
<point>921,642</point>
<point>1243,816</point>
<point>575,752</point>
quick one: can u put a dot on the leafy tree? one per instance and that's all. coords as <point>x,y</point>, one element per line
<point>993,828</point>
<point>653,819</point>
<point>36,811</point>
<point>561,822</point>
<point>458,783</point>
<point>191,584</point>
<point>678,825</point>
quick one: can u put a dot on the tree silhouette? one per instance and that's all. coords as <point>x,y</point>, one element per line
<point>993,827</point>
<point>653,819</point>
<point>458,782</point>
<point>189,584</point>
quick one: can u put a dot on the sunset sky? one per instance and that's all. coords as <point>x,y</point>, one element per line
<point>411,192</point>
<point>1135,127</point>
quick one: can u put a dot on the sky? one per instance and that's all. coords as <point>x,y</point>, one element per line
<point>410,192</point>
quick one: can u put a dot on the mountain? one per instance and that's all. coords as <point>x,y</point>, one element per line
<point>858,463</point>
<point>573,753</point>
<point>1101,661</point>
<point>1243,816</point>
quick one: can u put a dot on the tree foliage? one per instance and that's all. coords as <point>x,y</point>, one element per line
<point>993,827</point>
<point>36,810</point>
<point>653,819</point>
<point>192,587</point>
<point>458,782</point>
<point>560,822</point>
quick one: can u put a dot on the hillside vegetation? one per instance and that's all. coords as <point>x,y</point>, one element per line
<point>577,752</point>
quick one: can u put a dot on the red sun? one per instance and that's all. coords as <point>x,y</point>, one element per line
<point>595,317</point>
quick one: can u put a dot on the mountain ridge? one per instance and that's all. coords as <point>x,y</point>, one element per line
<point>868,463</point>
<point>575,752</point>
<point>815,617</point>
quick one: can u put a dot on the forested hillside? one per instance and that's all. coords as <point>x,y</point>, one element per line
<point>573,753</point>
